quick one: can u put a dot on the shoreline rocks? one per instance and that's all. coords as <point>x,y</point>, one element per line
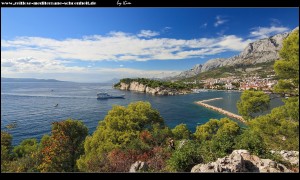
<point>138,166</point>
<point>138,87</point>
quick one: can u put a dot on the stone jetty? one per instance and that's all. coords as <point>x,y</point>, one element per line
<point>220,110</point>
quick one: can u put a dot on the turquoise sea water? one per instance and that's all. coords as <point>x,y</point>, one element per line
<point>32,106</point>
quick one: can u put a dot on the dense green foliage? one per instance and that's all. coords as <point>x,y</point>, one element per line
<point>184,158</point>
<point>252,102</point>
<point>251,141</point>
<point>5,149</point>
<point>25,148</point>
<point>61,150</point>
<point>120,129</point>
<point>55,153</point>
<point>181,131</point>
<point>279,129</point>
<point>217,136</point>
<point>287,69</point>
<point>156,83</point>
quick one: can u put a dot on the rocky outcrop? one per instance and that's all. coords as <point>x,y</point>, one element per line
<point>241,161</point>
<point>133,86</point>
<point>138,166</point>
<point>261,51</point>
<point>290,156</point>
<point>136,86</point>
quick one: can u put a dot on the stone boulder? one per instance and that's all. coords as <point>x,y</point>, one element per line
<point>241,161</point>
<point>138,166</point>
<point>290,156</point>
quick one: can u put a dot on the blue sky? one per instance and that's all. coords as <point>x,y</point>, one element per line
<point>98,44</point>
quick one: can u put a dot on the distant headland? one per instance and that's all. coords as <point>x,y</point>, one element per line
<point>3,79</point>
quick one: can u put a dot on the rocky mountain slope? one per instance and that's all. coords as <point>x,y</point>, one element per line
<point>261,51</point>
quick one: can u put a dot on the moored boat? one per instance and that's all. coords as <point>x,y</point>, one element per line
<point>108,96</point>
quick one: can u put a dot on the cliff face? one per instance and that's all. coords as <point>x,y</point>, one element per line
<point>260,51</point>
<point>135,86</point>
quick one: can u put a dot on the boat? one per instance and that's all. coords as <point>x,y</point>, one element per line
<point>199,90</point>
<point>108,96</point>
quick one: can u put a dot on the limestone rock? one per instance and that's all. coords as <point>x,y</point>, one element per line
<point>241,161</point>
<point>138,166</point>
<point>209,167</point>
<point>136,86</point>
<point>290,156</point>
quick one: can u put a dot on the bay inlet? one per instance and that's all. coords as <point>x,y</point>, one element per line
<point>32,106</point>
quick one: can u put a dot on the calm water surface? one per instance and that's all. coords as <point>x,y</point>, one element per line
<point>32,106</point>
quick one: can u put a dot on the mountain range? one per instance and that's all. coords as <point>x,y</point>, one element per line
<point>260,51</point>
<point>3,79</point>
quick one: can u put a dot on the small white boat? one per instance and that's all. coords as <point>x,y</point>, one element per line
<point>199,90</point>
<point>107,96</point>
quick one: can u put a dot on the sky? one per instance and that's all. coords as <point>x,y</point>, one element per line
<point>99,44</point>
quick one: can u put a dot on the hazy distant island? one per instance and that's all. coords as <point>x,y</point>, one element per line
<point>3,79</point>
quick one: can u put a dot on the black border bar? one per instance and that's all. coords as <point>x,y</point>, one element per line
<point>152,3</point>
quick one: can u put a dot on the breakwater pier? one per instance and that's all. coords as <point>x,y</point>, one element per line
<point>220,110</point>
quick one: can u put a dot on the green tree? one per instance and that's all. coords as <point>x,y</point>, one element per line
<point>120,127</point>
<point>217,137</point>
<point>25,148</point>
<point>6,139</point>
<point>160,134</point>
<point>280,129</point>
<point>287,69</point>
<point>207,131</point>
<point>252,142</point>
<point>26,157</point>
<point>64,146</point>
<point>252,102</point>
<point>181,132</point>
<point>184,158</point>
<point>277,129</point>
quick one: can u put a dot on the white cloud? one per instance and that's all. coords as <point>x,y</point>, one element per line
<point>147,33</point>
<point>117,46</point>
<point>121,65</point>
<point>220,20</point>
<point>233,42</point>
<point>264,32</point>
<point>29,55</point>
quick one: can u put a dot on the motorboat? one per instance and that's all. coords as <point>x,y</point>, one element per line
<point>108,96</point>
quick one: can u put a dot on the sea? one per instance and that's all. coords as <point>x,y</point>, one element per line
<point>34,106</point>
